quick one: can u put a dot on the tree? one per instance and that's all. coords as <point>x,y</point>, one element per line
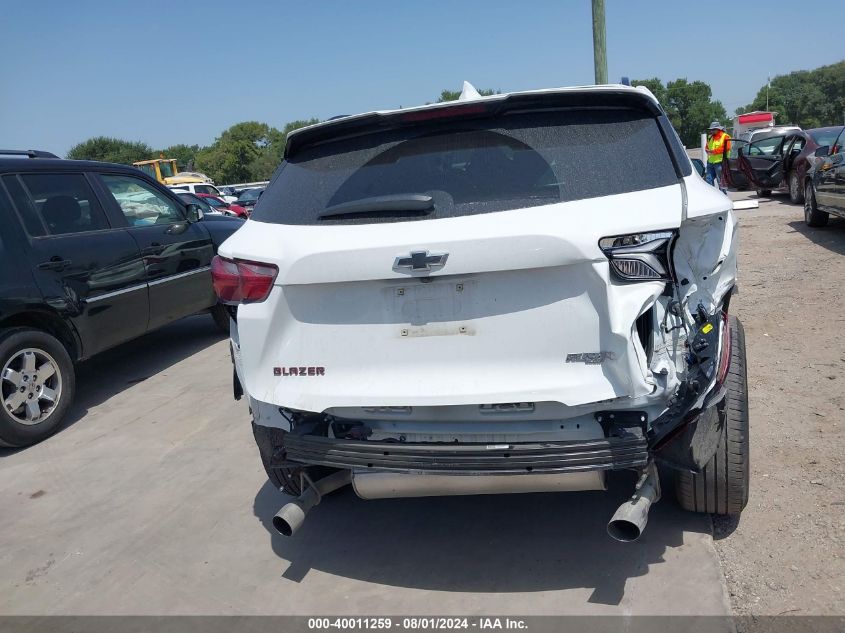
<point>230,157</point>
<point>809,98</point>
<point>689,106</point>
<point>185,155</point>
<point>452,95</point>
<point>263,167</point>
<point>247,151</point>
<point>691,109</point>
<point>655,85</point>
<point>111,150</point>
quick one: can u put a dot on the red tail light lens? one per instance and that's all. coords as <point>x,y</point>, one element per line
<point>237,281</point>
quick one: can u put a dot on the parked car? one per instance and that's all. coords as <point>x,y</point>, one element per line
<point>189,198</point>
<point>735,176</point>
<point>780,164</point>
<point>768,132</point>
<point>438,301</point>
<point>248,198</point>
<point>93,255</point>
<point>203,188</point>
<point>224,207</point>
<point>824,185</point>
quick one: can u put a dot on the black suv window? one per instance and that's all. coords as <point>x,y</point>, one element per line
<point>59,203</point>
<point>141,203</point>
<point>472,167</point>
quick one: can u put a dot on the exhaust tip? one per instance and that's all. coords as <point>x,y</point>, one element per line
<point>290,518</point>
<point>282,527</point>
<point>624,531</point>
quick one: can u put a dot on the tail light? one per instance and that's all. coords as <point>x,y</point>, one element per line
<point>237,281</point>
<point>639,256</point>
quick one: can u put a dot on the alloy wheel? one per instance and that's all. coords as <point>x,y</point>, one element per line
<point>31,386</point>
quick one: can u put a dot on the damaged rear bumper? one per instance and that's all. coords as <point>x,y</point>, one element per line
<point>469,459</point>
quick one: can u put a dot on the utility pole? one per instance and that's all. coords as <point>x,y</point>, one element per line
<point>768,84</point>
<point>599,44</point>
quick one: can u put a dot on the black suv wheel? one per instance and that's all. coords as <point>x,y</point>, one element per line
<point>812,215</point>
<point>37,383</point>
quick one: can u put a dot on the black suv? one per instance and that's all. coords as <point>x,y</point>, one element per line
<point>91,255</point>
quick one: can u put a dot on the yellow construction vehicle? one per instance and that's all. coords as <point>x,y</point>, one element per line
<point>166,172</point>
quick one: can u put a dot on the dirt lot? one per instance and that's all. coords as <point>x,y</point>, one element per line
<point>152,500</point>
<point>787,553</point>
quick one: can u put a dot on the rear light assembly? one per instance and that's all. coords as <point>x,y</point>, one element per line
<point>639,256</point>
<point>238,281</point>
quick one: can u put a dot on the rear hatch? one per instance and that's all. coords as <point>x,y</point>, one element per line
<point>450,256</point>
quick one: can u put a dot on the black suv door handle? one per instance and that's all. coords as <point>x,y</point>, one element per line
<point>55,263</point>
<point>153,249</point>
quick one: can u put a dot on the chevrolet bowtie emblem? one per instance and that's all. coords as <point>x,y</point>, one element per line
<point>420,262</point>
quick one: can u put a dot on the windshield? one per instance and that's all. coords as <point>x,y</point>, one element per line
<point>148,169</point>
<point>167,170</point>
<point>473,166</point>
<point>249,195</point>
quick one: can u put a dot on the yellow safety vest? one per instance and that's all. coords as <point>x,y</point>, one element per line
<point>717,146</point>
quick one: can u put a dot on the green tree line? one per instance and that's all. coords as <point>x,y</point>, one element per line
<point>809,98</point>
<point>689,106</point>
<point>246,152</point>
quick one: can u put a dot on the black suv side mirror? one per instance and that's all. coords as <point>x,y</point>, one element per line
<point>193,212</point>
<point>822,151</point>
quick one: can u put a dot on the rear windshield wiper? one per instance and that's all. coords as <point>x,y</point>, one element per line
<point>378,204</point>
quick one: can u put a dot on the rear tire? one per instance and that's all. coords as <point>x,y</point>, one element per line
<point>796,193</point>
<point>722,485</point>
<point>812,215</point>
<point>20,427</point>
<point>221,317</point>
<point>270,441</point>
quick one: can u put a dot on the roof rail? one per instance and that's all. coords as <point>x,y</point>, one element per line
<point>32,153</point>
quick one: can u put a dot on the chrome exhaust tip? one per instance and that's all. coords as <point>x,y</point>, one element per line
<point>292,515</point>
<point>630,519</point>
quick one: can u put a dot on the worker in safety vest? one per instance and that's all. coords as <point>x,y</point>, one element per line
<point>718,144</point>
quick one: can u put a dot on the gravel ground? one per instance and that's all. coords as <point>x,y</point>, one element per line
<point>786,555</point>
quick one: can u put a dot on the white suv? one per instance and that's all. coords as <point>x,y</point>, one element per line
<point>513,293</point>
<point>202,187</point>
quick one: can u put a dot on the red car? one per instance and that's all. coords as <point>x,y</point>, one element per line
<point>224,207</point>
<point>780,163</point>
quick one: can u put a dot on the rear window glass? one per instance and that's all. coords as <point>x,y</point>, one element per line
<point>472,167</point>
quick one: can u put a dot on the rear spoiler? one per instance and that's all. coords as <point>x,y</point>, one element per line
<point>350,126</point>
<point>31,153</point>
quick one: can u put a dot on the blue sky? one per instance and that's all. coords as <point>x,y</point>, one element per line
<point>181,72</point>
